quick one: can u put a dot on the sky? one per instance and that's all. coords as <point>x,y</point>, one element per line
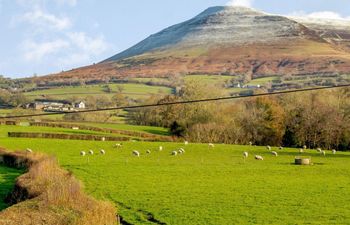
<point>39,37</point>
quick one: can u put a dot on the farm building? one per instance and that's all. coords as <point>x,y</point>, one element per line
<point>80,105</point>
<point>55,105</point>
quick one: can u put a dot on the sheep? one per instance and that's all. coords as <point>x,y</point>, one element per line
<point>274,153</point>
<point>211,145</point>
<point>148,151</point>
<point>186,142</point>
<point>102,152</point>
<point>304,147</point>
<point>259,157</point>
<point>319,150</point>
<point>183,150</point>
<point>245,155</point>
<point>301,150</point>
<point>280,148</point>
<point>250,143</point>
<point>91,152</point>
<point>160,148</point>
<point>82,153</point>
<point>136,153</point>
<point>334,151</point>
<point>323,153</point>
<point>174,153</point>
<point>268,147</point>
<point>28,150</point>
<point>118,145</point>
<point>180,151</point>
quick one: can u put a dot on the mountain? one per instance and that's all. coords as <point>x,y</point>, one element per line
<point>230,40</point>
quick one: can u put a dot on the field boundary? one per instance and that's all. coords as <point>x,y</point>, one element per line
<point>105,130</point>
<point>66,136</point>
<point>47,194</point>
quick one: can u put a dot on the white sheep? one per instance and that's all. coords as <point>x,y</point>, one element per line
<point>250,143</point>
<point>274,154</point>
<point>268,147</point>
<point>136,153</point>
<point>183,150</point>
<point>174,153</point>
<point>186,142</point>
<point>180,151</point>
<point>102,152</point>
<point>323,153</point>
<point>148,151</point>
<point>280,148</point>
<point>211,145</point>
<point>28,150</point>
<point>334,151</point>
<point>245,155</point>
<point>82,153</point>
<point>259,157</point>
<point>160,148</point>
<point>301,150</point>
<point>319,150</point>
<point>118,145</point>
<point>91,152</point>
<point>304,147</point>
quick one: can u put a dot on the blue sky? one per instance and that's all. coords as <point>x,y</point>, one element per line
<point>47,36</point>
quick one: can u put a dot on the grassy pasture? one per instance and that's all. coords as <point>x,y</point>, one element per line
<point>7,182</point>
<point>206,186</point>
<point>131,90</point>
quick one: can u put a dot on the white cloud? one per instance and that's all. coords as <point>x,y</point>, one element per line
<point>245,3</point>
<point>41,19</point>
<point>36,52</point>
<point>68,2</point>
<point>94,46</point>
<point>319,15</point>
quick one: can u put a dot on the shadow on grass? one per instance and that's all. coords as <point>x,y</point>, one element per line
<point>7,182</point>
<point>157,132</point>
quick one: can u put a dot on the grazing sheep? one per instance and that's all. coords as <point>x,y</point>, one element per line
<point>280,148</point>
<point>323,153</point>
<point>319,150</point>
<point>186,142</point>
<point>304,147</point>
<point>160,148</point>
<point>118,145</point>
<point>274,153</point>
<point>28,150</point>
<point>211,145</point>
<point>245,155</point>
<point>148,151</point>
<point>82,153</point>
<point>183,150</point>
<point>180,151</point>
<point>334,151</point>
<point>250,143</point>
<point>103,152</point>
<point>259,157</point>
<point>174,153</point>
<point>301,150</point>
<point>91,152</point>
<point>136,153</point>
<point>268,147</point>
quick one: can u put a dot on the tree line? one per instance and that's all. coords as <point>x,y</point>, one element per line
<point>316,119</point>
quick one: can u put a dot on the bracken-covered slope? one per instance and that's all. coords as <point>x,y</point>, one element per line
<point>229,40</point>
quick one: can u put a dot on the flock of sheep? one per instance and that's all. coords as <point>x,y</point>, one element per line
<point>274,153</point>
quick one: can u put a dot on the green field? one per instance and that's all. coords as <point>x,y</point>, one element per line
<point>206,186</point>
<point>136,91</point>
<point>7,182</point>
<point>209,79</point>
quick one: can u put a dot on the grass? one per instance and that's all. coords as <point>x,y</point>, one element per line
<point>209,79</point>
<point>131,90</point>
<point>207,186</point>
<point>263,80</point>
<point>7,182</point>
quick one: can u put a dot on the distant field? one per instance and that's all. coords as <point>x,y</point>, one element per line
<point>209,79</point>
<point>7,182</point>
<point>131,90</point>
<point>263,81</point>
<point>206,186</point>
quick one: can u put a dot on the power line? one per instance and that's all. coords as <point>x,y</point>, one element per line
<point>179,102</point>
